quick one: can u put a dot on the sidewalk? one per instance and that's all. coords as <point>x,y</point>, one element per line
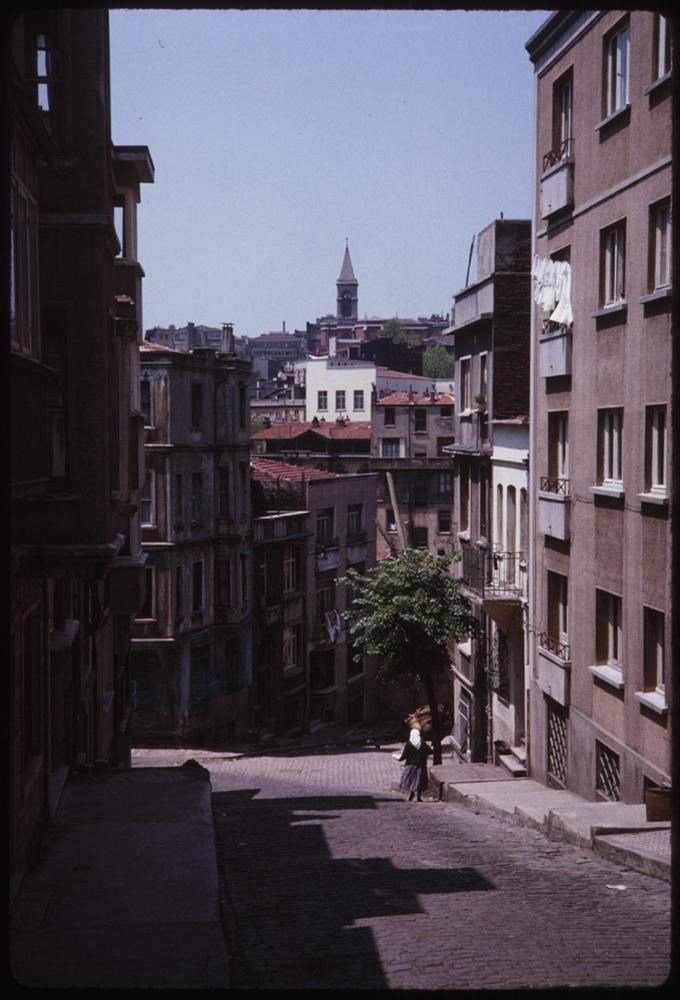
<point>126,896</point>
<point>615,830</point>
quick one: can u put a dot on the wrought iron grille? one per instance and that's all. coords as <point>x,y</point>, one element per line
<point>562,151</point>
<point>553,484</point>
<point>491,573</point>
<point>557,744</point>
<point>608,781</point>
<point>553,646</point>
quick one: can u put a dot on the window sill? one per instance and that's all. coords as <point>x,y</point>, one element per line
<point>615,116</point>
<point>611,310</point>
<point>658,295</point>
<point>654,700</point>
<point>663,81</point>
<point>660,499</point>
<point>610,675</point>
<point>615,492</point>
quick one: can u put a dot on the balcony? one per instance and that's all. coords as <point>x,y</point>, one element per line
<point>557,179</point>
<point>472,434</point>
<point>554,351</point>
<point>554,507</point>
<point>474,303</point>
<point>492,575</point>
<point>554,665</point>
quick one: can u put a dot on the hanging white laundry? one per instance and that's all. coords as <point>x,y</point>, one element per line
<point>563,314</point>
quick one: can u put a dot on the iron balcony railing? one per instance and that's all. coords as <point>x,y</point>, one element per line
<point>492,573</point>
<point>562,151</point>
<point>555,484</point>
<point>554,646</point>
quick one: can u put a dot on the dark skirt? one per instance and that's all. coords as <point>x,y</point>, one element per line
<point>413,778</point>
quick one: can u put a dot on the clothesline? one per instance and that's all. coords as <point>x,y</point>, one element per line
<point>552,288</point>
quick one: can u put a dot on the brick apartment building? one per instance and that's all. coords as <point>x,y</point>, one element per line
<point>601,422</point>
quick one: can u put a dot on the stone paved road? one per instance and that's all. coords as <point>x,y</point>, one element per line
<point>329,880</point>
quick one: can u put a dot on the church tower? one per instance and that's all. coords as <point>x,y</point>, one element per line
<point>347,285</point>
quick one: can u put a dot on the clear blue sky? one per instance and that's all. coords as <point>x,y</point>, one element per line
<point>276,134</point>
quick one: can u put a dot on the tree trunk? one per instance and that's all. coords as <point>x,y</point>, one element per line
<point>436,725</point>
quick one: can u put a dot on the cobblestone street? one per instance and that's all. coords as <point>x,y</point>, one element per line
<point>329,880</point>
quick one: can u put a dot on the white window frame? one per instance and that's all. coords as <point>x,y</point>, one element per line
<point>656,442</point>
<point>465,384</point>
<point>355,517</point>
<point>325,525</point>
<point>653,631</point>
<point>611,447</point>
<point>147,411</point>
<point>390,447</point>
<point>617,69</point>
<point>196,497</point>
<point>150,583</point>
<point>340,397</point>
<point>290,648</point>
<point>147,501</point>
<point>613,263</point>
<point>662,47</point>
<point>563,105</point>
<point>660,244</point>
<point>558,607</point>
<point>358,399</point>
<point>197,607</point>
<point>610,607</point>
<point>322,399</point>
<point>290,573</point>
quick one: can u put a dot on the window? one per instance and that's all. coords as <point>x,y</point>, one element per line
<point>223,491</point>
<point>662,47</point>
<point>196,497</point>
<point>389,416</point>
<point>322,400</point>
<point>444,484</point>
<point>558,446</point>
<point>340,399</point>
<point>355,513</point>
<point>325,525</point>
<point>24,318</point>
<point>291,568</point>
<point>484,502</point>
<point>197,587</point>
<point>390,447</point>
<point>420,495</point>
<point>148,608</point>
<point>660,245</point>
<point>464,498</point>
<point>445,411</point>
<point>420,419</point>
<point>148,500</point>
<point>655,449</point>
<point>607,772</point>
<point>196,406</point>
<point>179,500</point>
<point>511,519</point>
<point>653,650</point>
<point>145,401</point>
<point>608,629</point>
<point>483,375</point>
<point>613,264</point>
<point>244,582</point>
<point>562,115</point>
<point>325,598</point>
<point>499,514</point>
<point>358,399</point>
<point>444,522</point>
<point>558,608</point>
<point>610,435</point>
<point>242,405</point>
<point>223,583</point>
<point>523,524</point>
<point>390,522</point>
<point>616,69</point>
<point>291,647</point>
<point>465,391</point>
<point>420,537</point>
<point>179,592</point>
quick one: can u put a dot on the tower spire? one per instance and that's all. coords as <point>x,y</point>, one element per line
<point>347,286</point>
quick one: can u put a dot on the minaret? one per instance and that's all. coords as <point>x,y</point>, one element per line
<point>348,287</point>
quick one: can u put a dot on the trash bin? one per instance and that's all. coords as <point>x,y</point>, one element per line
<point>658,804</point>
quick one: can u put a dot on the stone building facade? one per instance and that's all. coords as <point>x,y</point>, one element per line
<point>601,472</point>
<point>191,649</point>
<point>76,563</point>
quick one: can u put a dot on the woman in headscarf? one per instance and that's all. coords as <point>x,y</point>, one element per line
<point>414,779</point>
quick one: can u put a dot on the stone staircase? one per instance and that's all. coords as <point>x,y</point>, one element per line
<point>515,762</point>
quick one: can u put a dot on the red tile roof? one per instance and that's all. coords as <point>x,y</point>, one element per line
<point>403,398</point>
<point>268,469</point>
<point>360,429</point>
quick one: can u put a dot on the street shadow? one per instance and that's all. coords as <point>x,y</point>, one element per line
<point>292,908</point>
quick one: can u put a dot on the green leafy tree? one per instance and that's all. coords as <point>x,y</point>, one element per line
<point>404,610</point>
<point>438,362</point>
<point>395,330</point>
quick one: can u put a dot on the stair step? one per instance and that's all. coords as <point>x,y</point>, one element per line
<point>511,764</point>
<point>520,753</point>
